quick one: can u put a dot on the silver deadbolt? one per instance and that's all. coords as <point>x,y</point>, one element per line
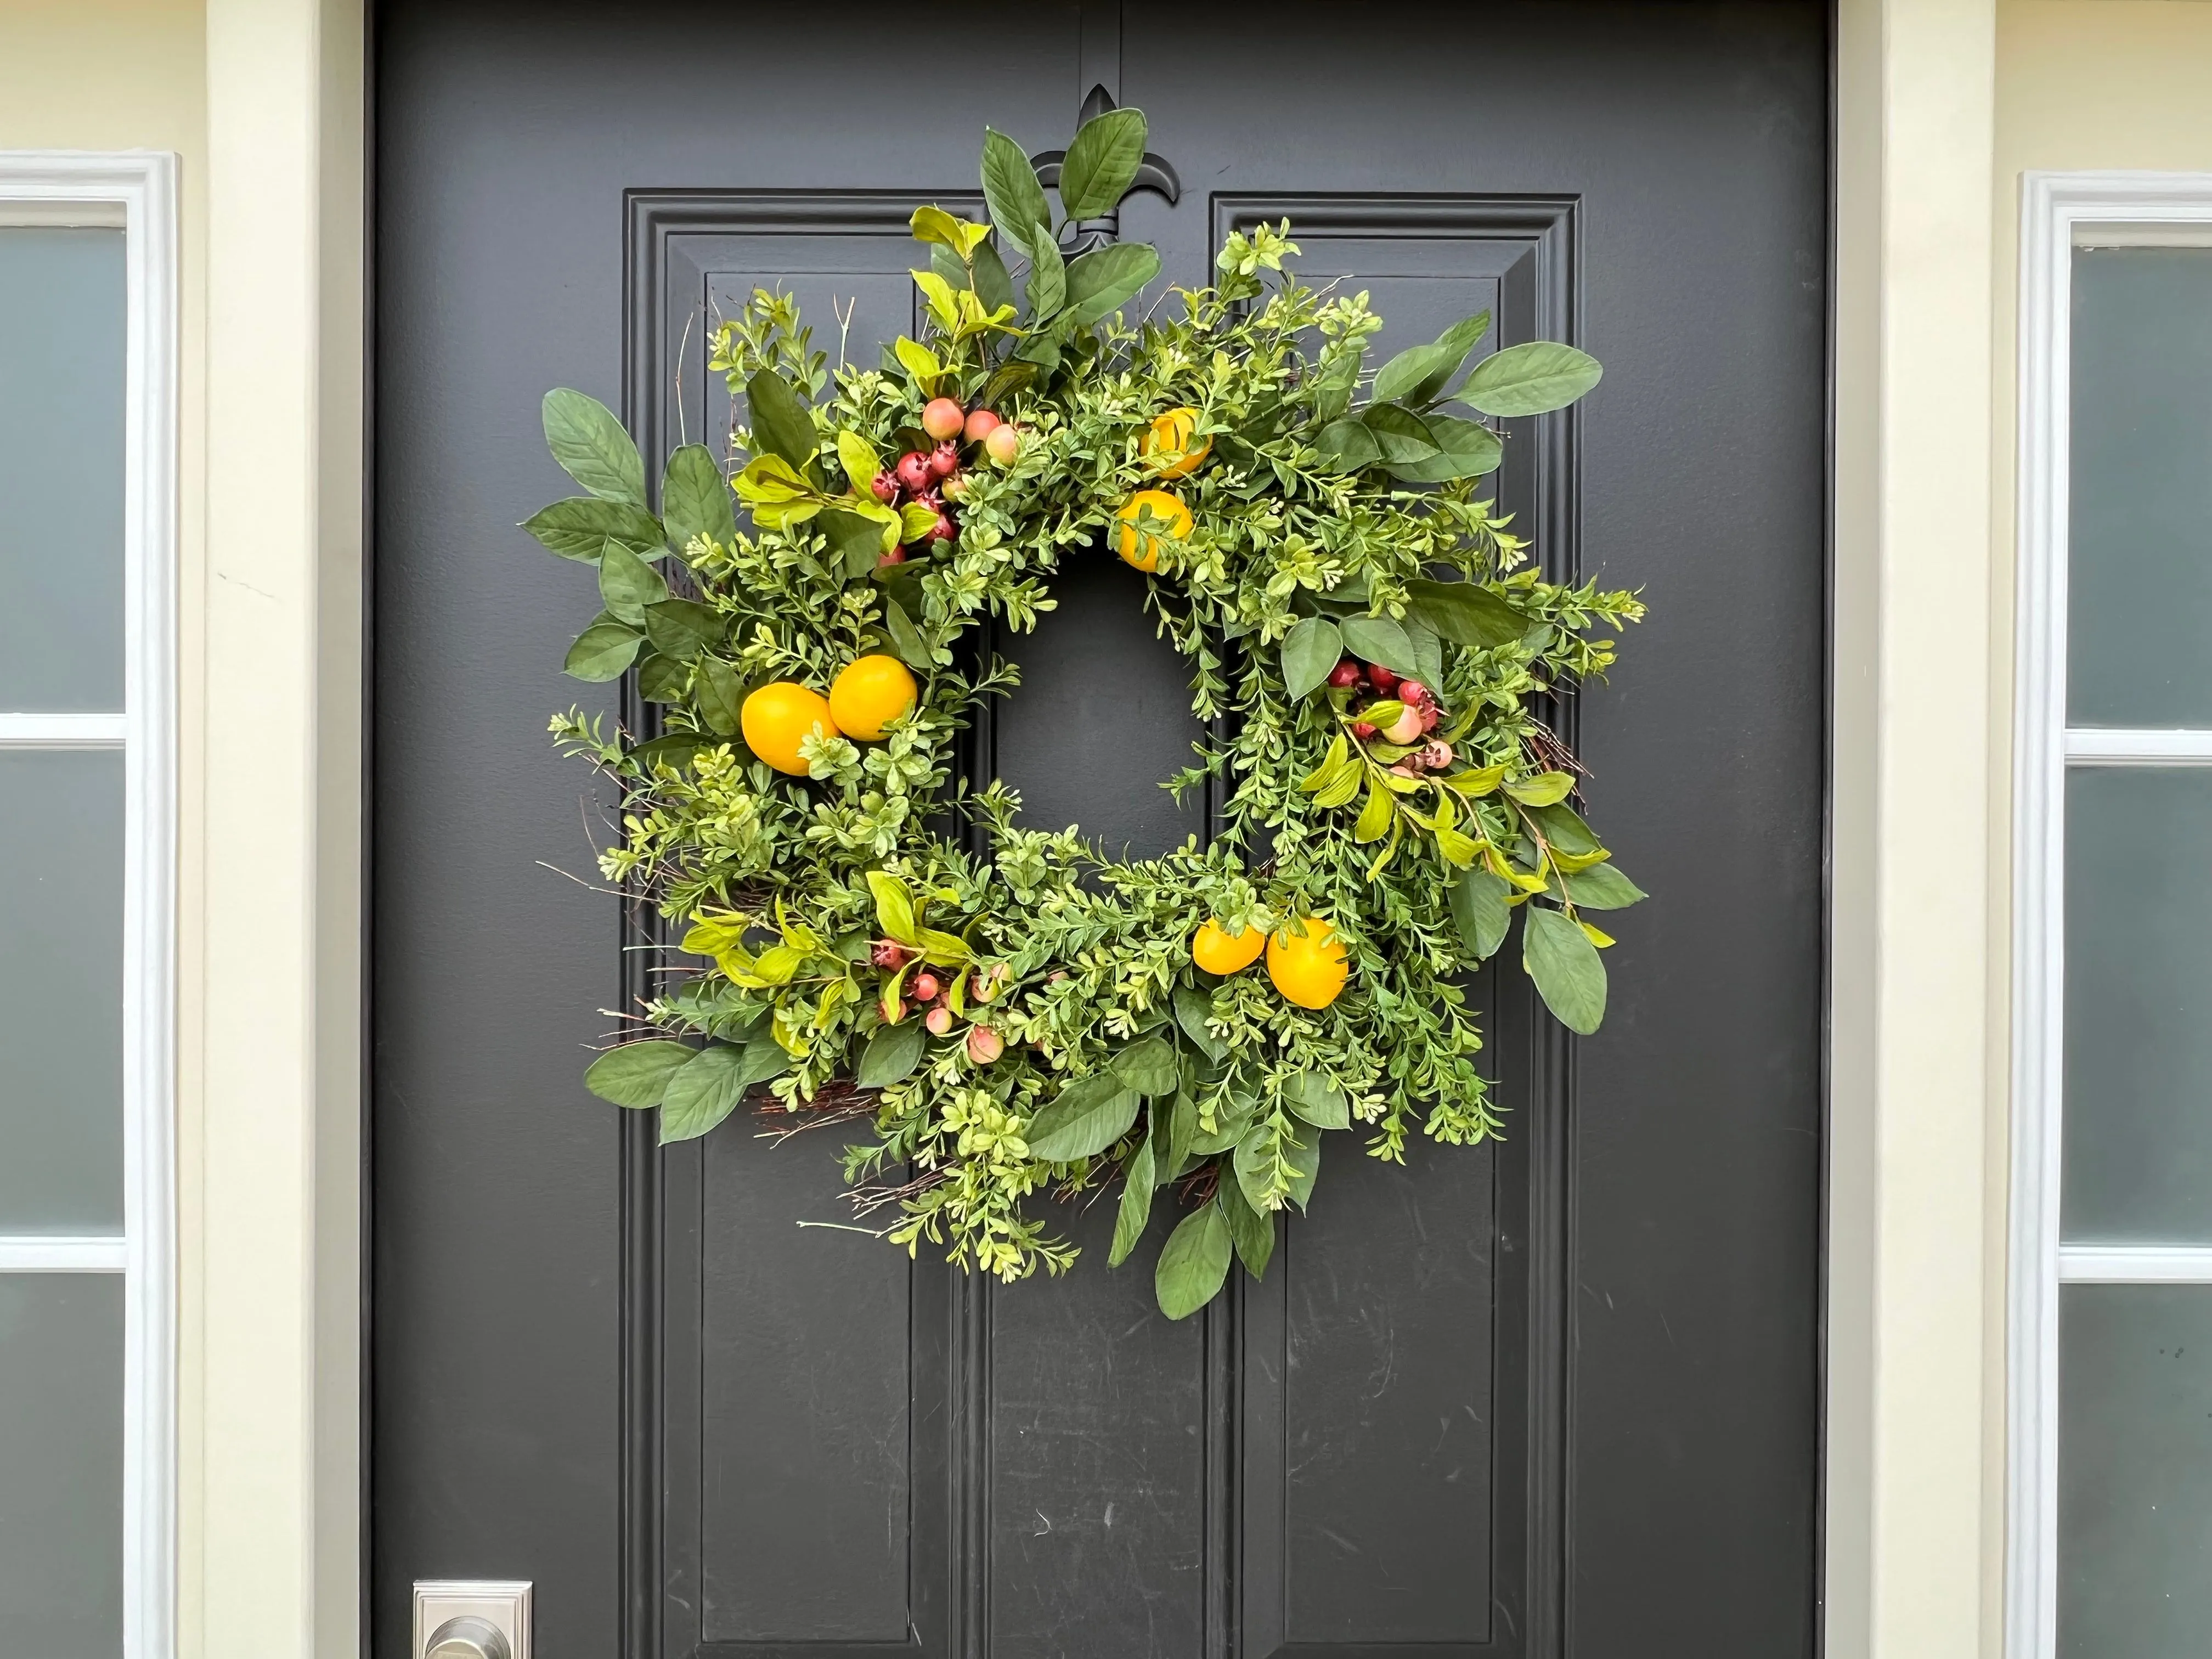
<point>471,1619</point>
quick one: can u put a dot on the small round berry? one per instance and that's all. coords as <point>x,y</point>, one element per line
<point>984,1044</point>
<point>888,953</point>
<point>1414,692</point>
<point>980,424</point>
<point>885,485</point>
<point>896,555</point>
<point>943,461</point>
<point>945,529</point>
<point>1363,731</point>
<point>913,471</point>
<point>1002,443</point>
<point>1381,678</point>
<point>939,1020</point>
<point>1345,673</point>
<point>943,418</point>
<point>926,987</point>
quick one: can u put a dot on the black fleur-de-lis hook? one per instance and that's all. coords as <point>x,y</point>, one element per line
<point>1153,173</point>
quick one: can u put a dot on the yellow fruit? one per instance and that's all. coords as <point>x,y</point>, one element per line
<point>1143,548</point>
<point>1167,443</point>
<point>868,694</point>
<point>777,716</point>
<point>1219,951</point>
<point>1308,968</point>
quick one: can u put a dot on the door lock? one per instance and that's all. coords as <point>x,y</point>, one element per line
<point>471,1619</point>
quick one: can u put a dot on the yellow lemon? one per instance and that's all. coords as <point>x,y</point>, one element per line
<point>1219,951</point>
<point>1308,967</point>
<point>868,694</point>
<point>776,717</point>
<point>1167,443</point>
<point>1142,548</point>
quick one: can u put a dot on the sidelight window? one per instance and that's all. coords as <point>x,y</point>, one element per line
<point>2110,1350</point>
<point>86,545</point>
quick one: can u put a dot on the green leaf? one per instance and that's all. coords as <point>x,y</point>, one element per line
<point>1379,640</point>
<point>719,695</point>
<point>1183,1129</point>
<point>764,1058</point>
<point>1048,290</point>
<point>994,287</point>
<point>681,628</point>
<point>1012,194</point>
<point>1480,909</point>
<point>1305,1159</point>
<point>1466,449</point>
<point>780,423</point>
<point>934,224</point>
<point>1340,375</point>
<point>1083,1120</point>
<point>905,638</point>
<point>601,652</point>
<point>1318,1101</point>
<point>892,1053</point>
<point>636,1074</point>
<point>1252,1233</point>
<point>1147,1065</point>
<point>855,541</point>
<point>1006,379</point>
<point>1138,1186</point>
<point>1564,828</point>
<point>1193,1263</point>
<point>1400,433</point>
<point>662,679</point>
<point>916,521</point>
<point>1544,789</point>
<point>592,447</point>
<point>1310,651</point>
<point>702,1092</point>
<point>675,749</point>
<point>1532,379</point>
<point>1374,817</point>
<point>1410,368</point>
<point>893,907</point>
<point>627,584</point>
<point>1437,363</point>
<point>1101,162</point>
<point>944,949</point>
<point>1466,613</point>
<point>1601,887</point>
<point>1428,661</point>
<point>1101,281</point>
<point>695,498</point>
<point>1346,445</point>
<point>578,527</point>
<point>1566,968</point>
<point>1192,1008</point>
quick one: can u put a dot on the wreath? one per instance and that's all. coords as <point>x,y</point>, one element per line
<point>1009,1010</point>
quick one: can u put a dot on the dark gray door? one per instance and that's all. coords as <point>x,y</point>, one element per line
<point>1555,1395</point>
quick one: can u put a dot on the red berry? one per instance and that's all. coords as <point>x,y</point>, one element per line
<point>885,485</point>
<point>984,1044</point>
<point>1414,692</point>
<point>939,1021</point>
<point>943,462</point>
<point>942,418</point>
<point>1436,755</point>
<point>979,424</point>
<point>1362,730</point>
<point>1003,443</point>
<point>1378,677</point>
<point>1432,716</point>
<point>896,555</point>
<point>913,470</point>
<point>945,530</point>
<point>925,987</point>
<point>888,953</point>
<point>1345,673</point>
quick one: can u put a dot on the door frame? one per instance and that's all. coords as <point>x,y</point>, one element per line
<point>272,1288</point>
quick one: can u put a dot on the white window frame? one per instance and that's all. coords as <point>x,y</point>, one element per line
<point>135,191</point>
<point>2060,212</point>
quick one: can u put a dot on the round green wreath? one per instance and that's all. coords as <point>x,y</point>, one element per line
<point>1023,1014</point>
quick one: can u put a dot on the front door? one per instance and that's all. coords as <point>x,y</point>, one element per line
<point>1555,1394</point>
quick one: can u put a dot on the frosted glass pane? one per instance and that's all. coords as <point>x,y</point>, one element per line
<point>2138,1107</point>
<point>61,1464</point>
<point>61,992</point>
<point>61,468</point>
<point>2135,1471</point>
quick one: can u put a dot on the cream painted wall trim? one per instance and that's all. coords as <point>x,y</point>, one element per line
<point>2059,212</point>
<point>136,189</point>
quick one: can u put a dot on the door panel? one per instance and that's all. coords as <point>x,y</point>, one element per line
<point>1559,1392</point>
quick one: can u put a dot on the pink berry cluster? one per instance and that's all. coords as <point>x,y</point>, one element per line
<point>928,992</point>
<point>1418,715</point>
<point>931,477</point>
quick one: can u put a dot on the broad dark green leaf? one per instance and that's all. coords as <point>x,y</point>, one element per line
<point>719,695</point>
<point>1304,1158</point>
<point>1047,287</point>
<point>1252,1233</point>
<point>1450,352</point>
<point>1412,367</point>
<point>1138,1185</point>
<point>695,500</point>
<point>1083,1120</point>
<point>627,584</point>
<point>675,749</point>
<point>601,652</point>
<point>1428,658</point>
<point>636,1074</point>
<point>779,420</point>
<point>764,1058</point>
<point>855,542</point>
<point>662,679</point>
<point>681,628</point>
<point>578,527</point>
<point>1565,966</point>
<point>1400,433</point>
<point>946,264</point>
<point>1346,445</point>
<point>1602,887</point>
<point>1480,912</point>
<point>1466,613</point>
<point>1147,1065</point>
<point>1012,194</point>
<point>1318,1101</point>
<point>1379,640</point>
<point>1006,379</point>
<point>1183,1129</point>
<point>702,1092</point>
<point>1253,1163</point>
<point>994,287</point>
<point>1101,162</point>
<point>1532,379</point>
<point>1191,1009</point>
<point>1194,1263</point>
<point>1310,650</point>
<point>1104,280</point>
<point>905,638</point>
<point>1564,828</point>
<point>589,442</point>
<point>1466,449</point>
<point>892,1053</point>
